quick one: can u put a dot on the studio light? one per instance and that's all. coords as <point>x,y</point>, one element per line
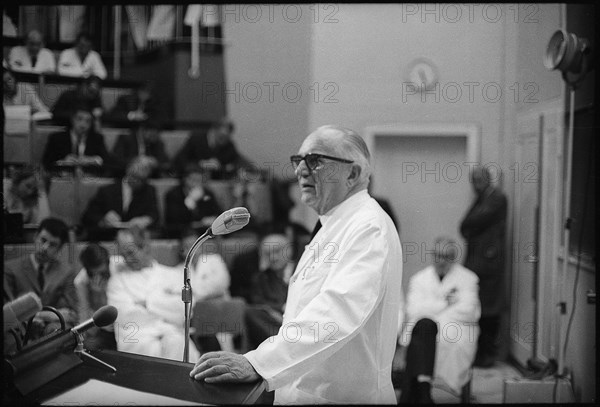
<point>569,54</point>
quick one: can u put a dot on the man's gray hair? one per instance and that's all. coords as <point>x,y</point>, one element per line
<point>353,148</point>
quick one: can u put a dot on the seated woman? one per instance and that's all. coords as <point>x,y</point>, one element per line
<point>90,284</point>
<point>25,193</point>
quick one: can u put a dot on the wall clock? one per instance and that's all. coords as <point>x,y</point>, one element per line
<point>422,73</point>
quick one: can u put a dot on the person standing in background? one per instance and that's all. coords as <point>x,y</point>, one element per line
<point>484,228</point>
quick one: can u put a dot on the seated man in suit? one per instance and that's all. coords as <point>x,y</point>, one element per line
<point>42,273</point>
<point>442,310</point>
<point>136,108</point>
<point>191,203</point>
<point>87,94</point>
<point>79,145</point>
<point>91,283</point>
<point>215,151</point>
<point>123,204</point>
<point>150,320</point>
<point>142,141</point>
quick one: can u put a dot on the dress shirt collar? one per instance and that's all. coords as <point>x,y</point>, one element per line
<point>350,204</point>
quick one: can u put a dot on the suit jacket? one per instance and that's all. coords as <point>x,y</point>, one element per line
<point>68,101</point>
<point>20,277</point>
<point>129,103</point>
<point>178,215</point>
<point>245,267</point>
<point>484,228</point>
<point>197,148</point>
<point>110,198</point>
<point>127,148</point>
<point>59,146</point>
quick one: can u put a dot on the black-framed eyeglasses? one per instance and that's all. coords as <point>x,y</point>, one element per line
<point>313,160</point>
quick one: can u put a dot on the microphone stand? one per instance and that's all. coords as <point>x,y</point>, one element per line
<point>84,355</point>
<point>186,291</point>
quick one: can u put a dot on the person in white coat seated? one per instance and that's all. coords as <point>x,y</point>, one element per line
<point>151,317</point>
<point>440,329</point>
<point>33,56</point>
<point>81,61</point>
<point>339,329</point>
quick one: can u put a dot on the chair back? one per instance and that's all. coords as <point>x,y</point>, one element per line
<point>219,315</point>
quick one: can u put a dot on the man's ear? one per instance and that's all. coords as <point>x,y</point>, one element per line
<point>354,175</point>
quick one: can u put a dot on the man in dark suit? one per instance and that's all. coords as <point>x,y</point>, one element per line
<point>135,108</point>
<point>79,145</point>
<point>215,151</point>
<point>42,273</point>
<point>131,202</point>
<point>190,204</point>
<point>87,93</point>
<point>144,140</point>
<point>484,229</point>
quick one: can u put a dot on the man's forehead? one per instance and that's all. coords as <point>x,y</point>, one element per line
<point>320,143</point>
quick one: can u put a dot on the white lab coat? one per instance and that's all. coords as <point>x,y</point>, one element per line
<point>151,313</point>
<point>457,324</point>
<point>338,336</point>
<point>69,64</point>
<point>19,60</point>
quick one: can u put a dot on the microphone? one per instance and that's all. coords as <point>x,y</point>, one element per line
<point>230,221</point>
<point>227,222</point>
<point>104,316</point>
<point>21,309</point>
<point>40,352</point>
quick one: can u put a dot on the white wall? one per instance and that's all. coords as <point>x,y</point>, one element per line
<point>267,60</point>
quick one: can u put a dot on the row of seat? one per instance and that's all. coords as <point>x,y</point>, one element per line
<point>28,148</point>
<point>165,251</point>
<point>68,198</point>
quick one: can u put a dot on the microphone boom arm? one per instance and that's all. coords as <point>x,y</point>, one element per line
<point>186,291</point>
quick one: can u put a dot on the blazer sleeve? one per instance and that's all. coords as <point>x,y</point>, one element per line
<point>96,209</point>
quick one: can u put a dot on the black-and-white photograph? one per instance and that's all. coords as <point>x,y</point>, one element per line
<point>315,203</point>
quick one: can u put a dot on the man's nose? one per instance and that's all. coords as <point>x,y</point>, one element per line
<point>302,170</point>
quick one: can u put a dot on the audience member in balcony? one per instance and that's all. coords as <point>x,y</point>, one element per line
<point>136,108</point>
<point>32,57</point>
<point>191,203</point>
<point>91,283</point>
<point>269,287</point>
<point>87,95</point>
<point>25,193</point>
<point>78,145</point>
<point>142,141</point>
<point>81,60</point>
<point>215,151</point>
<point>131,202</point>
<point>440,333</point>
<point>150,309</point>
<point>23,94</point>
<point>43,273</point>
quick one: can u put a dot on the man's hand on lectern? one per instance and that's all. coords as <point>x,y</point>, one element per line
<point>224,367</point>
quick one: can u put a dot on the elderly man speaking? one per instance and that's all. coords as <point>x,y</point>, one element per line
<point>337,340</point>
